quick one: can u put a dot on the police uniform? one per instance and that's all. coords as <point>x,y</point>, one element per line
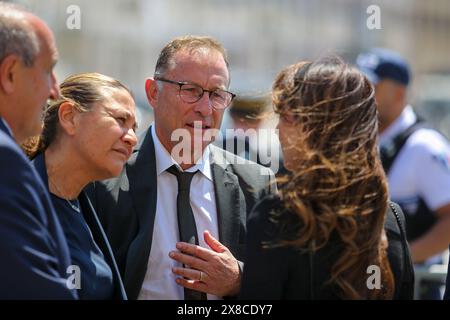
<point>419,173</point>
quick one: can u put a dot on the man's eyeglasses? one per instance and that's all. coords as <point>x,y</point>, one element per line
<point>191,93</point>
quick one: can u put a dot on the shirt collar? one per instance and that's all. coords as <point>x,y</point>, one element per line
<point>404,121</point>
<point>164,160</point>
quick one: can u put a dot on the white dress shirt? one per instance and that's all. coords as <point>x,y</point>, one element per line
<point>159,282</point>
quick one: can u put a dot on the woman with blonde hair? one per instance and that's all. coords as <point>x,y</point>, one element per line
<point>331,233</point>
<point>88,135</point>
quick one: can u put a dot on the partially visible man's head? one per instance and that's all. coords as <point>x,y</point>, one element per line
<point>390,74</point>
<point>199,63</point>
<point>27,57</point>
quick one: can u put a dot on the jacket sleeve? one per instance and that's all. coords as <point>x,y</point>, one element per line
<point>30,267</point>
<point>265,270</point>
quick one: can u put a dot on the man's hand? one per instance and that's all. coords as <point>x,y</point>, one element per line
<point>214,271</point>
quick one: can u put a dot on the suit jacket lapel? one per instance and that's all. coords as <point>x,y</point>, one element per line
<point>141,173</point>
<point>229,198</point>
<point>101,240</point>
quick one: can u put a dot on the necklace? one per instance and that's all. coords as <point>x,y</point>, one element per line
<point>75,207</point>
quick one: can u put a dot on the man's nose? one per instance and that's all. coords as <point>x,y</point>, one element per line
<point>204,105</point>
<point>54,88</point>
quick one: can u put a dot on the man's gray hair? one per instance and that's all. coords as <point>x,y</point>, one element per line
<point>16,34</point>
<point>191,44</point>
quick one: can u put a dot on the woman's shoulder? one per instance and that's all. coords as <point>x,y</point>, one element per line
<point>271,205</point>
<point>394,219</point>
<point>270,201</point>
<point>398,252</point>
<point>271,217</point>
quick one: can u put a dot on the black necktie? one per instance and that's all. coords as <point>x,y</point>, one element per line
<point>186,220</point>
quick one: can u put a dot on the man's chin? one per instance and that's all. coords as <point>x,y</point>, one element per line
<point>189,156</point>
<point>34,132</point>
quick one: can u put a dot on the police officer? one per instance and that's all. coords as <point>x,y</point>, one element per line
<point>416,158</point>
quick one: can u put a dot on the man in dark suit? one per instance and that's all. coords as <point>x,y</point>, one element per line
<point>144,212</point>
<point>33,250</point>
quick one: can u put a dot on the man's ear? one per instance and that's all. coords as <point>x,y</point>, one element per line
<point>400,93</point>
<point>9,73</point>
<point>66,115</point>
<point>151,89</point>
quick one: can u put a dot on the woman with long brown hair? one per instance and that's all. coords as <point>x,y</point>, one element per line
<point>331,233</point>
